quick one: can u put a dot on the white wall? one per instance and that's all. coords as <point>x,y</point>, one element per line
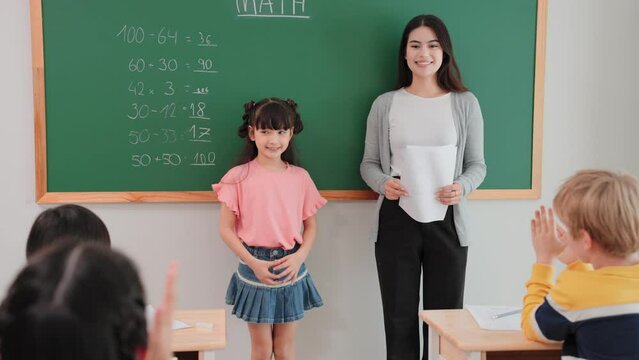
<point>590,121</point>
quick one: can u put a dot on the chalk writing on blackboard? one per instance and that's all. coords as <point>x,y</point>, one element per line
<point>161,111</point>
<point>132,34</point>
<point>143,160</point>
<point>272,8</point>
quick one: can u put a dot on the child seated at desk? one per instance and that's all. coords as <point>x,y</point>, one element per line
<point>594,305</point>
<point>82,301</point>
<point>70,222</point>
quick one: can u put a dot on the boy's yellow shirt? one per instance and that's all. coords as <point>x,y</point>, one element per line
<point>578,293</point>
<point>579,286</point>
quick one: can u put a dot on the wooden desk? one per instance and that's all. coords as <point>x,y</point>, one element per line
<point>198,343</point>
<point>454,335</point>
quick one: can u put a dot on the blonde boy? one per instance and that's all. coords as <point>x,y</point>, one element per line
<point>594,305</point>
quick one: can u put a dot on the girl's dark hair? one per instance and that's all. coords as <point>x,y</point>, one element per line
<point>66,223</point>
<point>269,113</point>
<point>448,75</point>
<point>74,302</point>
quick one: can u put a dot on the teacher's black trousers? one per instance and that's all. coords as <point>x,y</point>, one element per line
<point>403,249</point>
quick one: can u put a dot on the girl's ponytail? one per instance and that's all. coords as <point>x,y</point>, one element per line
<point>297,123</point>
<point>242,131</point>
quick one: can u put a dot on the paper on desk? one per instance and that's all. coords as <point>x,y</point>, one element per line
<point>177,325</point>
<point>150,316</point>
<point>424,171</point>
<point>484,317</point>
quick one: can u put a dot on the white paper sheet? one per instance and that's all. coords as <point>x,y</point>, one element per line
<point>424,171</point>
<point>484,316</point>
<point>150,316</point>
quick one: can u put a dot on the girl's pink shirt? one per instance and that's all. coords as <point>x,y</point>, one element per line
<point>269,205</point>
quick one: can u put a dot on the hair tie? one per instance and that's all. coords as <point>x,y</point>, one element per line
<point>249,106</point>
<point>292,104</point>
<point>243,130</point>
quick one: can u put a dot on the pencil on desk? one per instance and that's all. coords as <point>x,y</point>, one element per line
<point>507,313</point>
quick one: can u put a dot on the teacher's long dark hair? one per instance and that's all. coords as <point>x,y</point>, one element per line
<point>448,75</point>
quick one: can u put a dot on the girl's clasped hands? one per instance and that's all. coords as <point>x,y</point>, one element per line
<point>278,271</point>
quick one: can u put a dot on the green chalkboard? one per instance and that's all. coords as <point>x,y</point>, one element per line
<point>146,95</point>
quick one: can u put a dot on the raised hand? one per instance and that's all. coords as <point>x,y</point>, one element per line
<point>567,256</point>
<point>546,244</point>
<point>160,337</point>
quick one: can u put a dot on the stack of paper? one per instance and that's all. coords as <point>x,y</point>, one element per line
<point>496,317</point>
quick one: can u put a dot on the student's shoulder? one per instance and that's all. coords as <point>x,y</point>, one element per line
<point>298,171</point>
<point>237,173</point>
<point>575,284</point>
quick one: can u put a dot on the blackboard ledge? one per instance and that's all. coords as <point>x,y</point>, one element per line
<point>505,194</point>
<point>126,197</point>
<point>171,196</point>
<point>209,196</point>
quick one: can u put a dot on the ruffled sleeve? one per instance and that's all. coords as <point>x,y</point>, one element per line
<point>313,201</point>
<point>227,191</point>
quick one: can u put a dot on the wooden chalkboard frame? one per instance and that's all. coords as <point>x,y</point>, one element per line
<point>43,196</point>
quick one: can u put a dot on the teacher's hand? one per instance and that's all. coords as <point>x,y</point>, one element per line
<point>393,189</point>
<point>450,194</point>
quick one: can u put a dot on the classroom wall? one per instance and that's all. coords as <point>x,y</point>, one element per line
<point>590,121</point>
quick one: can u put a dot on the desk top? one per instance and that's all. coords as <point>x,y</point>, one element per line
<point>198,339</point>
<point>460,329</point>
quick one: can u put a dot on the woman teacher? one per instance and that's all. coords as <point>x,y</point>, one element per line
<point>430,107</point>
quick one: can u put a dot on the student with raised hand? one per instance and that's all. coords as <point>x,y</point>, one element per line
<point>593,307</point>
<point>265,203</point>
<point>66,223</point>
<point>74,224</point>
<point>82,302</point>
<point>430,106</point>
<point>161,336</point>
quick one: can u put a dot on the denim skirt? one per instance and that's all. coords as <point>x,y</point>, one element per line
<point>256,302</point>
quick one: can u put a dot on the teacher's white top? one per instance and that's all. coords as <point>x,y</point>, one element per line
<point>418,121</point>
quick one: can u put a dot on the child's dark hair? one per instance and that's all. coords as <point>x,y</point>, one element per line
<point>269,113</point>
<point>74,302</point>
<point>66,223</point>
<point>448,75</point>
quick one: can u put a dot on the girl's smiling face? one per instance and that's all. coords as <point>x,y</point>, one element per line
<point>424,54</point>
<point>270,143</point>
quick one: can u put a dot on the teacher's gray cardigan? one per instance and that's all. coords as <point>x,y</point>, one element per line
<point>470,168</point>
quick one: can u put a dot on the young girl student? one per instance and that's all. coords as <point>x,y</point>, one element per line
<point>430,107</point>
<point>264,202</point>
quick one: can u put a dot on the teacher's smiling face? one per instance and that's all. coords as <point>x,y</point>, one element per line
<point>424,54</point>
